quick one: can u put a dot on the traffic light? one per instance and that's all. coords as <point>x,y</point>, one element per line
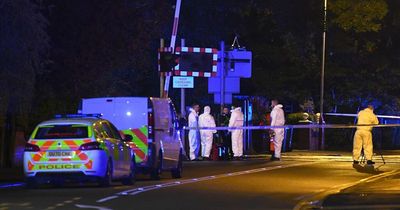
<point>168,61</point>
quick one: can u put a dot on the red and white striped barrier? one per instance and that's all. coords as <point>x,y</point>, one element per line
<point>172,44</point>
<point>186,72</point>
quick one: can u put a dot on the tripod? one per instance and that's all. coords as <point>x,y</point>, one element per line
<point>363,159</point>
<point>379,151</point>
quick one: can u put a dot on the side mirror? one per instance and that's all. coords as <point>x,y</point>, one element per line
<point>128,137</point>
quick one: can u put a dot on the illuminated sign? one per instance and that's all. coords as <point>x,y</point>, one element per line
<point>183,82</point>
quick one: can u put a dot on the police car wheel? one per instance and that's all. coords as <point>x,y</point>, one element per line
<point>176,173</point>
<point>131,178</point>
<point>106,180</point>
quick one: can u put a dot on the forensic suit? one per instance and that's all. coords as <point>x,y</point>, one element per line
<point>237,120</point>
<point>206,120</point>
<point>193,121</point>
<point>278,119</point>
<point>363,135</point>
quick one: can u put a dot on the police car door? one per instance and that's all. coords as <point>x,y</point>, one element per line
<point>114,144</point>
<point>163,128</point>
<point>125,152</point>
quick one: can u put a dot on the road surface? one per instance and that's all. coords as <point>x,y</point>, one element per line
<point>248,184</point>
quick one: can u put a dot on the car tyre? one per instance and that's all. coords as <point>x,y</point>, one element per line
<point>105,181</point>
<point>155,173</point>
<point>176,173</point>
<point>131,178</point>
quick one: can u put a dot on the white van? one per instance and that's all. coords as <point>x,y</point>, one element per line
<point>154,126</point>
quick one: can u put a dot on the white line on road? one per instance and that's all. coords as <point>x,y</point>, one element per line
<point>91,207</point>
<point>136,191</point>
<point>107,198</point>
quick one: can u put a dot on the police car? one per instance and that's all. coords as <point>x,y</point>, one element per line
<point>83,147</point>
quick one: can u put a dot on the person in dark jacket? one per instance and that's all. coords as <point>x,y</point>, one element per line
<point>225,137</point>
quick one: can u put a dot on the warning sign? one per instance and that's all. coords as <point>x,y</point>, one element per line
<point>183,82</point>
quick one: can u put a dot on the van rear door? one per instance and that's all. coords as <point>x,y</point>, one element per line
<point>164,130</point>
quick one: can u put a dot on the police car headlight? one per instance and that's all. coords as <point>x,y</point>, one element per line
<point>90,146</point>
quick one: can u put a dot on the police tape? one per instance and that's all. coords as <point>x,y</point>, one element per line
<point>310,126</point>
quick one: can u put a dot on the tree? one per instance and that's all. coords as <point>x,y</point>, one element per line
<point>24,45</point>
<point>101,48</point>
<point>358,69</point>
<point>359,15</point>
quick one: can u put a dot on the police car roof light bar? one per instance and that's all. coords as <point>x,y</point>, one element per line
<point>97,115</point>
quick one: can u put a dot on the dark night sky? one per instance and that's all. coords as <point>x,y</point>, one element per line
<point>67,50</point>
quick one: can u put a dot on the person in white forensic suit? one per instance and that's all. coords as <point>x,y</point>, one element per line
<point>237,120</point>
<point>277,119</point>
<point>363,135</point>
<point>193,122</point>
<point>206,120</point>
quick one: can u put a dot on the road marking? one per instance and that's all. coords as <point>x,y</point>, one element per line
<point>91,207</point>
<point>314,200</point>
<point>107,198</point>
<point>138,190</point>
<point>24,204</point>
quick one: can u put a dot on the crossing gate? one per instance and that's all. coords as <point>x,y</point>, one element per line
<point>196,62</point>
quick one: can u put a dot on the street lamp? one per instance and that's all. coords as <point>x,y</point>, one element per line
<point>321,108</point>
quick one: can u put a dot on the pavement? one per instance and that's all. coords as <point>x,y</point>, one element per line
<point>390,156</point>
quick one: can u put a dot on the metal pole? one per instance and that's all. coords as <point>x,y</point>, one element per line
<point>183,111</point>
<point>162,44</point>
<point>323,74</point>
<point>222,75</point>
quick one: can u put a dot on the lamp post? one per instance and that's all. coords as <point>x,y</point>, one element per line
<point>321,108</point>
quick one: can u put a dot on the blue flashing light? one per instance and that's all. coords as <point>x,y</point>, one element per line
<point>58,116</point>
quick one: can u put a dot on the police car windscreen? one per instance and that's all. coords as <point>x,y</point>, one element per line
<point>62,132</point>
